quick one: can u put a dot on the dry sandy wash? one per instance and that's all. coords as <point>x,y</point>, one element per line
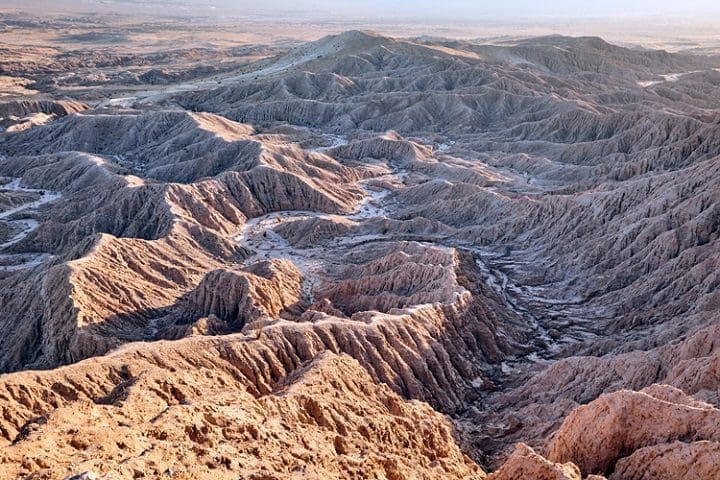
<point>358,257</point>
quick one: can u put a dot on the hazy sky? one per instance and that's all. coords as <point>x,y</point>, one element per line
<point>499,7</point>
<point>394,10</point>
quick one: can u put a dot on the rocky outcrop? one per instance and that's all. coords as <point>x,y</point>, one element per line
<point>395,276</point>
<point>636,424</point>
<point>672,460</point>
<point>525,463</point>
<point>265,291</point>
<point>315,418</point>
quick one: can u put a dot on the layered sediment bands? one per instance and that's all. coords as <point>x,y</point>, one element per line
<point>390,146</point>
<point>308,233</point>
<point>311,232</point>
<point>269,190</point>
<point>314,419</point>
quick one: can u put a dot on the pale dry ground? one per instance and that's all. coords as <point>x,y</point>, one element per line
<point>217,40</point>
<point>206,27</point>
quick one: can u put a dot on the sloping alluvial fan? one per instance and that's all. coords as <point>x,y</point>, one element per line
<point>369,257</point>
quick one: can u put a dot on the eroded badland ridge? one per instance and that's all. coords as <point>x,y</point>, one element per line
<point>357,257</point>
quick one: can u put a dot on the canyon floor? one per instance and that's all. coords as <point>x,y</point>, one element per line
<point>225,254</point>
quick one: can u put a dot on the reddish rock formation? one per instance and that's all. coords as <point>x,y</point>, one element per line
<point>525,463</point>
<point>141,411</point>
<point>641,424</point>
